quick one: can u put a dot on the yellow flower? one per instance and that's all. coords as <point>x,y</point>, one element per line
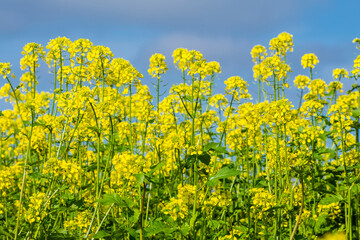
<point>32,52</point>
<point>301,81</point>
<point>5,69</point>
<point>121,72</point>
<point>356,71</point>
<point>357,40</point>
<point>218,100</point>
<point>309,60</point>
<point>268,67</point>
<point>188,60</point>
<point>80,48</point>
<point>340,72</point>
<point>335,86</point>
<point>258,53</point>
<point>282,43</point>
<point>57,47</point>
<point>236,84</point>
<point>157,65</point>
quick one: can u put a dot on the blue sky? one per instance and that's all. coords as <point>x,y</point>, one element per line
<point>223,30</point>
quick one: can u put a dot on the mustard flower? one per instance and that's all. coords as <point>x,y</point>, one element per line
<point>98,53</point>
<point>80,48</point>
<point>339,73</point>
<point>179,59</point>
<point>121,72</point>
<point>318,88</point>
<point>32,52</point>
<point>282,43</point>
<point>269,67</point>
<point>218,100</point>
<point>36,211</point>
<point>82,221</point>
<point>311,107</point>
<point>258,53</point>
<point>262,201</point>
<point>57,48</point>
<point>309,60</point>
<point>335,86</point>
<point>212,68</point>
<point>185,59</point>
<point>357,40</point>
<point>157,65</point>
<point>236,84</point>
<point>301,81</point>
<point>356,67</point>
<point>179,207</point>
<point>8,176</point>
<point>5,69</point>
<point>69,171</point>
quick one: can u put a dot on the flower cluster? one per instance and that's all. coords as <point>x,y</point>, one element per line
<point>157,65</point>
<point>309,60</point>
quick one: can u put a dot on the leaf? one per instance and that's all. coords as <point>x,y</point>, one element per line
<point>224,172</point>
<point>188,98</point>
<point>261,183</point>
<point>299,237</point>
<point>101,234</point>
<point>60,234</point>
<point>215,223</point>
<point>331,199</point>
<point>159,226</point>
<point>356,113</point>
<point>193,219</point>
<point>355,189</point>
<point>116,199</point>
<point>184,229</point>
<point>5,233</point>
<point>135,216</point>
<point>215,147</point>
<point>95,129</point>
<point>211,145</point>
<point>140,177</point>
<point>189,160</point>
<point>155,168</point>
<point>132,233</point>
<point>204,158</point>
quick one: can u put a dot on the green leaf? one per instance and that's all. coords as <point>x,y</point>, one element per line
<point>133,233</point>
<point>193,219</point>
<point>224,172</point>
<point>135,216</point>
<point>140,177</point>
<point>215,223</point>
<point>204,158</point>
<point>211,145</point>
<point>184,229</point>
<point>159,226</point>
<point>356,113</point>
<point>331,199</point>
<point>116,199</point>
<point>95,129</point>
<point>101,234</point>
<point>5,233</point>
<point>188,98</point>
<point>155,168</point>
<point>215,147</point>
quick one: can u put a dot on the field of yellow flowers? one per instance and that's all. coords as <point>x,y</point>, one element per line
<point>102,158</point>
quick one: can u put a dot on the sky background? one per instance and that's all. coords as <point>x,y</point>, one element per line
<point>222,30</point>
